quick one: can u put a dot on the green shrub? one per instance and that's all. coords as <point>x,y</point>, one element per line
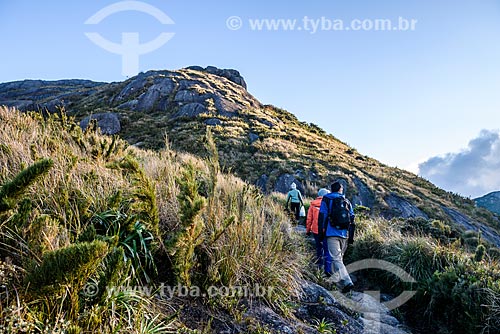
<point>58,280</point>
<point>183,242</point>
<point>415,256</point>
<point>71,265</point>
<point>370,244</point>
<point>479,254</point>
<point>12,191</point>
<point>457,290</point>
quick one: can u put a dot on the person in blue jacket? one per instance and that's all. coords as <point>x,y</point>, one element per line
<point>337,239</point>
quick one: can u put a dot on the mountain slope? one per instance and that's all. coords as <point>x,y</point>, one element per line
<point>264,145</point>
<point>78,209</point>
<point>97,236</point>
<point>490,201</point>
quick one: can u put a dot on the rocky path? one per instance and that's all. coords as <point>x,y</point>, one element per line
<point>356,312</point>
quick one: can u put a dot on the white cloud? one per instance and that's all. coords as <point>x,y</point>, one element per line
<point>473,171</point>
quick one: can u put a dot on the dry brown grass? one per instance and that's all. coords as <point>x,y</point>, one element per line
<point>247,238</point>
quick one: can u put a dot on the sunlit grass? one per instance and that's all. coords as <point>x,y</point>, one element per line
<point>98,192</point>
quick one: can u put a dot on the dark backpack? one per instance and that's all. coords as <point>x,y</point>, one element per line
<point>339,213</point>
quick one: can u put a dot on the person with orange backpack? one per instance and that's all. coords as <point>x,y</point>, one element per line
<point>322,253</point>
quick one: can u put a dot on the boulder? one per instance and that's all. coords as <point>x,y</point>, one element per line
<point>318,303</point>
<point>107,122</point>
<point>252,137</point>
<point>273,321</point>
<point>213,121</point>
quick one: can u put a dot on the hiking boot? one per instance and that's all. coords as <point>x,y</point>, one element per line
<point>348,288</point>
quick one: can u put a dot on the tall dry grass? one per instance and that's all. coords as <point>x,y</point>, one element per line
<point>246,239</point>
<point>450,280</point>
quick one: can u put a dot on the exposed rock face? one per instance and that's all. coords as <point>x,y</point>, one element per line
<point>190,110</point>
<point>133,87</point>
<point>376,316</point>
<point>232,75</point>
<point>262,183</point>
<point>490,201</point>
<point>364,196</point>
<point>107,122</point>
<point>283,184</point>
<point>161,89</point>
<point>258,317</point>
<point>19,104</point>
<point>402,208</point>
<point>275,322</point>
<point>460,218</point>
<point>184,93</point>
<point>319,303</point>
<point>44,95</point>
<point>266,138</point>
<point>487,232</point>
<point>315,303</point>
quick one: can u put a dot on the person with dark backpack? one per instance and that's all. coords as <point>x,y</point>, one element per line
<point>322,254</point>
<point>336,221</point>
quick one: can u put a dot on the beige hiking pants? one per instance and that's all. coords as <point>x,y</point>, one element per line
<point>337,247</point>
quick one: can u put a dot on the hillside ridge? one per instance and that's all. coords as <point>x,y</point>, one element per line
<point>490,201</point>
<point>264,145</point>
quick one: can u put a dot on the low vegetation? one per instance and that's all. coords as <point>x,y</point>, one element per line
<point>92,230</point>
<point>457,284</point>
<point>90,227</point>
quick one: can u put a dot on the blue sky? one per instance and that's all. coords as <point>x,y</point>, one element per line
<point>402,97</point>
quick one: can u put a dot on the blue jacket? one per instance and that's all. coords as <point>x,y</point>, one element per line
<point>323,217</point>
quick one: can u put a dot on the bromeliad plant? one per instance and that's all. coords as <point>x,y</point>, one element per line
<point>132,223</point>
<point>126,232</point>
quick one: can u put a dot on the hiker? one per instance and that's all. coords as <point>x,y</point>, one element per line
<point>322,253</point>
<point>295,198</point>
<point>336,220</point>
